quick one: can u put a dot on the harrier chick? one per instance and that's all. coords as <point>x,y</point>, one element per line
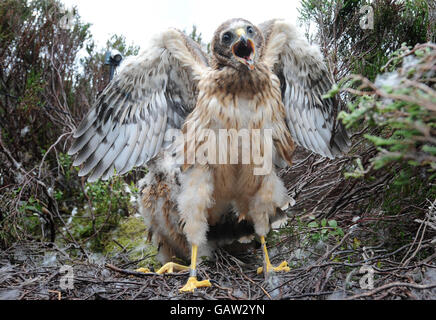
<point>262,85</point>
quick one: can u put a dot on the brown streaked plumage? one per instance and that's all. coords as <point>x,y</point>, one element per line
<point>258,77</point>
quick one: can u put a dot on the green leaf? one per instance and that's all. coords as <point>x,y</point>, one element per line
<point>324,223</point>
<point>333,223</point>
<point>316,236</point>
<point>356,174</point>
<point>380,141</point>
<point>429,149</point>
<point>313,224</point>
<point>334,90</point>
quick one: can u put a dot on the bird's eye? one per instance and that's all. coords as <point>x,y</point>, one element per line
<point>227,37</point>
<point>250,30</point>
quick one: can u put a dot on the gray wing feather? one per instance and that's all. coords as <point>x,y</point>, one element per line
<point>304,79</point>
<point>152,93</point>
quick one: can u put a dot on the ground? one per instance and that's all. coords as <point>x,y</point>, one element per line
<point>319,270</point>
<point>341,242</point>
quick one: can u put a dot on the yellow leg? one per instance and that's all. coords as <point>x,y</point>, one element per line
<point>282,267</point>
<point>193,283</point>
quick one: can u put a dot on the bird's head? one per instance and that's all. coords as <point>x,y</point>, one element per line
<point>237,43</point>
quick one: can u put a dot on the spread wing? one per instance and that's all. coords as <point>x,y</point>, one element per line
<point>304,79</point>
<point>152,93</point>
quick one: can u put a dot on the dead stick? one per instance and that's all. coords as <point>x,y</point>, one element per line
<point>131,273</point>
<point>392,285</point>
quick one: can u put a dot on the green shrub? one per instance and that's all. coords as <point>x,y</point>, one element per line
<point>399,111</point>
<point>401,104</point>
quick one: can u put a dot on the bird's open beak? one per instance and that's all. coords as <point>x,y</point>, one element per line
<point>244,49</point>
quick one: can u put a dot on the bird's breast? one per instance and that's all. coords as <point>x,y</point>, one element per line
<point>233,112</point>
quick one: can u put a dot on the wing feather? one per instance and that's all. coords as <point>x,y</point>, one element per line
<point>153,92</point>
<point>304,80</point>
<point>111,154</point>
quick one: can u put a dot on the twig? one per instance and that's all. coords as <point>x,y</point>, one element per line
<point>48,151</point>
<point>131,273</point>
<point>392,285</point>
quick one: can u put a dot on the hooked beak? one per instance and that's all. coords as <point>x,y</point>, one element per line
<point>243,39</point>
<point>244,49</point>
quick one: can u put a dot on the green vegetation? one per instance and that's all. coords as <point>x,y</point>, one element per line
<point>399,108</point>
<point>131,238</point>
<point>324,229</point>
<point>350,48</point>
<point>44,92</point>
<point>387,90</point>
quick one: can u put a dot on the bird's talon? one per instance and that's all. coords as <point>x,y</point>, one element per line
<point>282,267</point>
<point>170,267</point>
<point>193,284</point>
<point>143,270</point>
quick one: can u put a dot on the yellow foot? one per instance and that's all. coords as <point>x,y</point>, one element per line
<point>193,284</point>
<point>143,270</point>
<point>170,267</point>
<point>282,267</point>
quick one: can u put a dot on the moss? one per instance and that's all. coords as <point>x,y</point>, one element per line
<point>131,237</point>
